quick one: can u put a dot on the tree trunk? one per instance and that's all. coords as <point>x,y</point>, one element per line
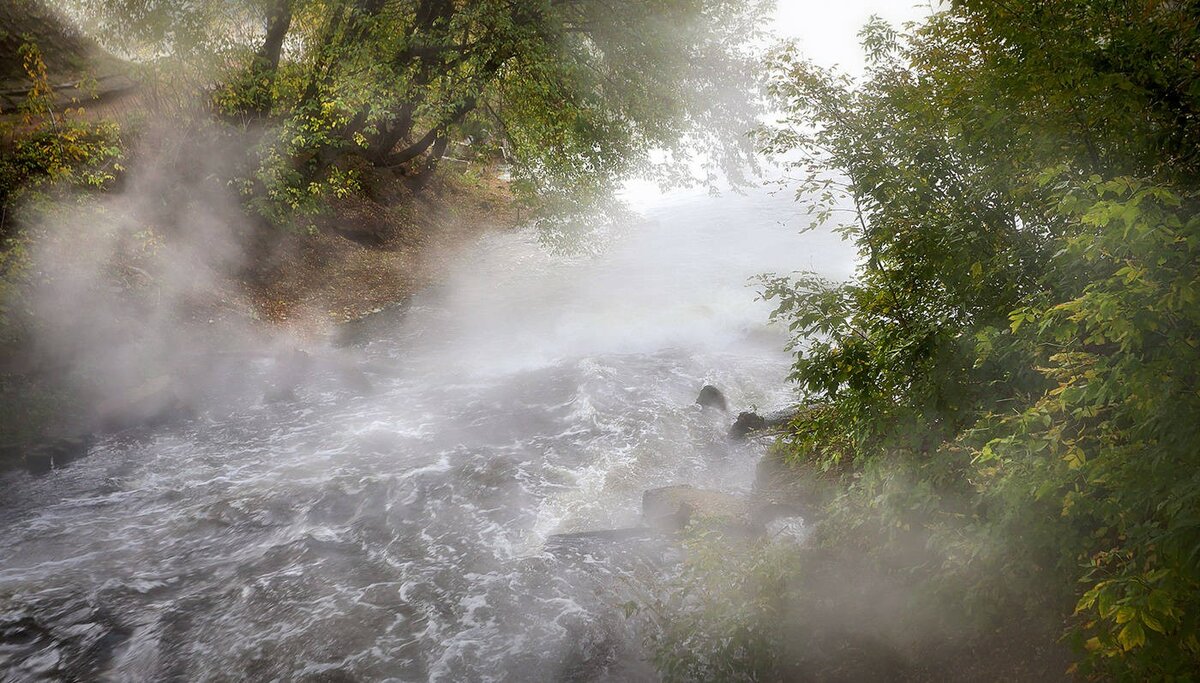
<point>431,162</point>
<point>390,135</point>
<point>279,21</point>
<point>399,127</point>
<point>321,65</point>
<point>431,138</point>
<point>266,62</point>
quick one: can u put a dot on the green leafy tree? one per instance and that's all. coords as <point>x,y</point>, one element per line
<point>1020,341</point>
<point>575,94</point>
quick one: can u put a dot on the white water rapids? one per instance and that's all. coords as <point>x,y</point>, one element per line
<point>402,533</point>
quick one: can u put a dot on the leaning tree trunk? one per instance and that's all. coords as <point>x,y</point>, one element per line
<point>438,132</point>
<point>391,132</point>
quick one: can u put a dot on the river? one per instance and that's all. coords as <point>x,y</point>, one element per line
<point>405,532</point>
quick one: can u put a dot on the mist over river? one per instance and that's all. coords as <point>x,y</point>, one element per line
<point>405,532</point>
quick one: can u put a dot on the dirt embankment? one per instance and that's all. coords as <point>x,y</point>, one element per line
<point>361,255</point>
<point>368,254</point>
<point>80,72</point>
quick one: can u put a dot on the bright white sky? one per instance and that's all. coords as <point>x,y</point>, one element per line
<point>827,30</point>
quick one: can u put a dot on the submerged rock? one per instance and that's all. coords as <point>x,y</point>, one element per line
<point>67,450</point>
<point>155,402</point>
<point>601,536</point>
<point>788,529</point>
<point>38,462</point>
<point>711,397</point>
<point>672,508</point>
<point>374,325</point>
<point>280,393</point>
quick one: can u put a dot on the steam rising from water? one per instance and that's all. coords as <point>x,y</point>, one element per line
<point>135,287</point>
<point>402,531</point>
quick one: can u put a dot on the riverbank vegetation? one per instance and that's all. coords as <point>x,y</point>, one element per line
<point>572,95</point>
<point>1002,402</point>
<point>329,99</point>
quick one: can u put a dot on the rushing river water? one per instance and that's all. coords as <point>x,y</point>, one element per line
<point>405,532</point>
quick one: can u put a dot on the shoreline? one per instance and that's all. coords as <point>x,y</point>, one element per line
<point>314,288</point>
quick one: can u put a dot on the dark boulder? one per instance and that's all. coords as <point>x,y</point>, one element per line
<point>42,457</point>
<point>711,397</point>
<point>748,422</point>
<point>38,461</point>
<point>67,450</point>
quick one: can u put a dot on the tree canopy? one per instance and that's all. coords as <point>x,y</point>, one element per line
<point>574,93</point>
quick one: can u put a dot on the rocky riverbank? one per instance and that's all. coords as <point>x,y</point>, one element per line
<point>779,501</point>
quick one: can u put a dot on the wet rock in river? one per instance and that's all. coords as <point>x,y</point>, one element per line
<point>748,422</point>
<point>711,397</point>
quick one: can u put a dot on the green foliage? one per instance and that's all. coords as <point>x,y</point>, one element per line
<point>292,180</point>
<point>74,154</point>
<point>573,95</point>
<point>1012,374</point>
<point>47,150</point>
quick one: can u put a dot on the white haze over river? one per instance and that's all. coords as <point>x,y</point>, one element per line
<point>403,532</point>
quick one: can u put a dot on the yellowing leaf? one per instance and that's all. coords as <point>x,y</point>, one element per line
<point>1132,636</point>
<point>1153,623</point>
